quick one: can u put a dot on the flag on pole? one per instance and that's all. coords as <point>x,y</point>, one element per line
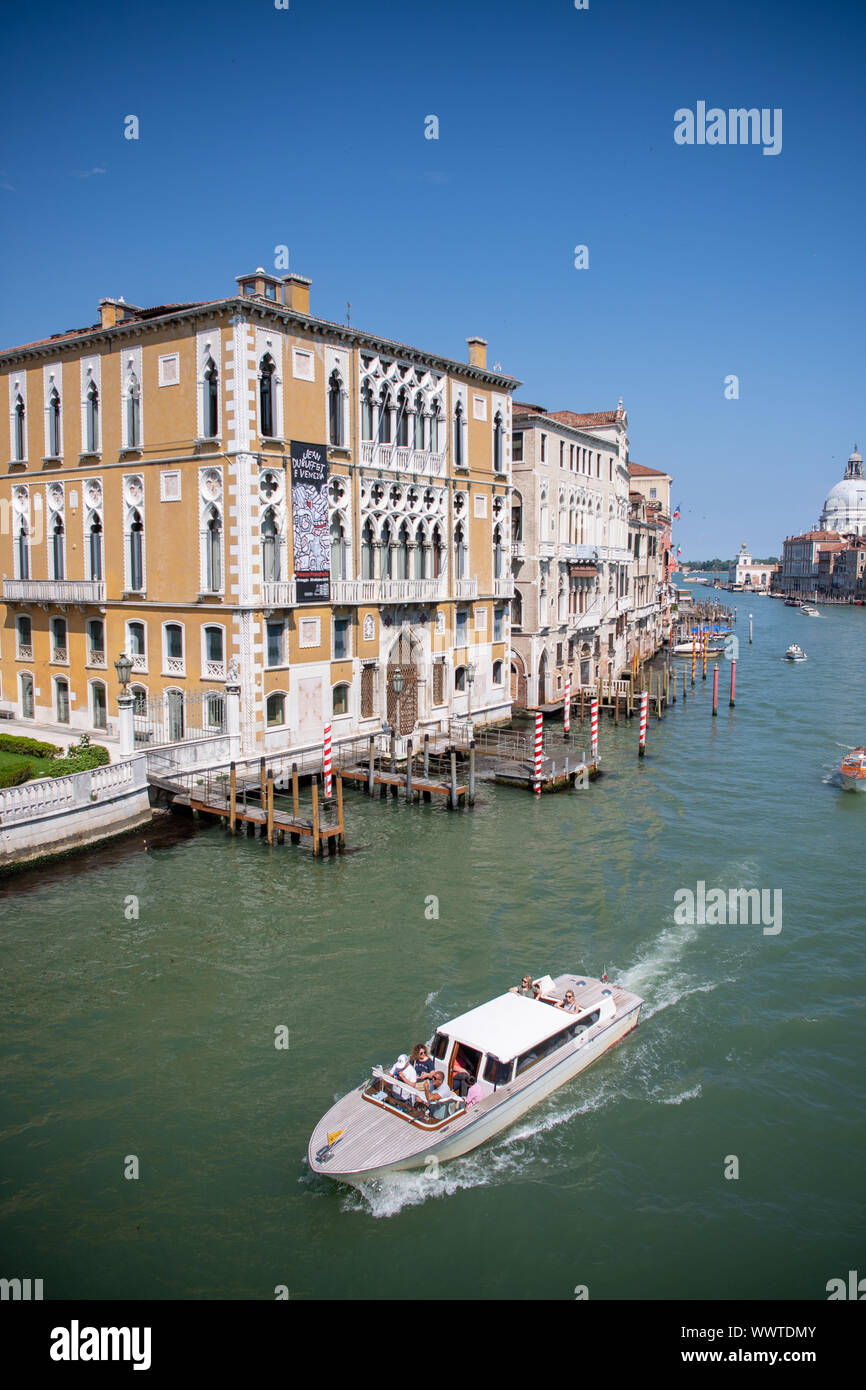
<point>676,513</point>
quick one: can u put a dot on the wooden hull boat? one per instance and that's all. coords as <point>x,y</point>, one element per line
<point>520,1049</point>
<point>685,649</point>
<point>853,770</point>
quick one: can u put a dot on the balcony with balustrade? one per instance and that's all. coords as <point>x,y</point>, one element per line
<point>397,458</point>
<point>280,593</point>
<point>503,588</point>
<point>388,590</point>
<point>54,590</point>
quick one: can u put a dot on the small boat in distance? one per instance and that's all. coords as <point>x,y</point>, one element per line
<point>714,648</point>
<point>793,603</point>
<point>515,1049</point>
<point>853,770</point>
<point>809,611</point>
<point>795,653</point>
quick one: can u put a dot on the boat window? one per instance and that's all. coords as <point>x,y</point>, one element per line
<point>468,1058</point>
<point>440,1046</point>
<point>542,1050</point>
<point>496,1072</point>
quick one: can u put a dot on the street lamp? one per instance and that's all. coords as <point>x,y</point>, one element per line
<point>123,667</point>
<point>397,687</point>
<point>470,677</point>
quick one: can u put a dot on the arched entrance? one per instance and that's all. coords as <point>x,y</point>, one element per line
<point>403,657</point>
<point>542,679</point>
<point>518,681</point>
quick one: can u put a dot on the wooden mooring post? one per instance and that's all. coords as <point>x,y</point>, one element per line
<point>342,836</point>
<point>263,781</point>
<point>317,842</point>
<point>426,757</point>
<point>296,800</point>
<point>409,769</point>
<point>452,800</point>
<point>472,772</point>
<point>233,798</point>
<point>270,806</point>
<point>371,770</point>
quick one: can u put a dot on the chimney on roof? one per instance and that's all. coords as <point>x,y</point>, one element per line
<point>477,352</point>
<point>110,312</point>
<point>297,293</point>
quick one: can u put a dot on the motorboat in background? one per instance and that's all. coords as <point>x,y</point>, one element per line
<point>795,653</point>
<point>853,770</point>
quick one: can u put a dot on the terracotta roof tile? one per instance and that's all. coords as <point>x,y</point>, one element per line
<point>594,417</point>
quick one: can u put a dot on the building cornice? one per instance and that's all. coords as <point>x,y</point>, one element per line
<point>249,311</point>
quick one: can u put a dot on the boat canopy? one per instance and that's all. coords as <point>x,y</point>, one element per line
<point>507,1026</point>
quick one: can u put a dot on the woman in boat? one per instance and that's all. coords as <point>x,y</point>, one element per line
<point>421,1060</point>
<point>568,1003</point>
<point>526,988</point>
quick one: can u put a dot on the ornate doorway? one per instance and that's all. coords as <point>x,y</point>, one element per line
<point>402,658</point>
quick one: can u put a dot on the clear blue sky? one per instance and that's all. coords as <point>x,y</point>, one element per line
<point>306,127</point>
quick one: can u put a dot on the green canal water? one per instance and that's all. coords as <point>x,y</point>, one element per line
<point>154,1037</point>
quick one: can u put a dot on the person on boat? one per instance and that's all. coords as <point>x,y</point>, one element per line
<point>461,1077</point>
<point>438,1094</point>
<point>475,1093</point>
<point>421,1060</point>
<point>568,1004</point>
<point>403,1070</point>
<point>526,988</point>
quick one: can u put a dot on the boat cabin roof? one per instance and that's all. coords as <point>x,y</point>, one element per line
<point>507,1026</point>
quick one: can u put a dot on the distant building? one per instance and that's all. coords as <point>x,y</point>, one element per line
<point>651,567</point>
<point>746,574</point>
<point>800,557</point>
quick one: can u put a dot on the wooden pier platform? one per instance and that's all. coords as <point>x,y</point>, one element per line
<point>396,781</point>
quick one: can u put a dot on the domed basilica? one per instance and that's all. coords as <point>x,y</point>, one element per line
<point>845,505</point>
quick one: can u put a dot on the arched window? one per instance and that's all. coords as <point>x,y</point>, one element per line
<point>368,536</point>
<point>173,636</point>
<point>54,423</point>
<point>267,412</point>
<point>419,421</point>
<point>460,554</point>
<point>338,548</point>
<point>497,552</point>
<point>136,553</point>
<point>335,409</point>
<point>276,710</point>
<point>458,435</point>
<point>24,637</point>
<point>516,517</point>
<point>438,553</point>
<point>435,421</point>
<point>366,413</point>
<point>497,673</point>
<point>517,609</point>
<point>213,552</point>
<point>139,700</point>
<point>402,420</point>
<point>214,647</point>
<point>95,642</point>
<point>497,442</point>
<point>133,412</point>
<point>403,553</point>
<point>20,433</point>
<point>270,548</point>
<point>61,699</point>
<point>460,679</point>
<point>91,419</point>
<point>385,416</point>
<point>210,399</point>
<point>59,639</point>
<point>57,548</point>
<point>135,637</point>
<point>98,706</point>
<point>27,706</point>
<point>387,551</point>
<point>341,699</point>
<point>94,547</point>
<point>22,552</point>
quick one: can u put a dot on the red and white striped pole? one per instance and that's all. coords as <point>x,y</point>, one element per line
<point>566,710</point>
<point>327,760</point>
<point>733,683</point>
<point>593,727</point>
<point>694,654</point>
<point>539,738</point>
<point>705,645</point>
<point>644,702</point>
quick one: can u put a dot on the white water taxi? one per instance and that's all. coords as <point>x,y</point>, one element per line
<point>714,648</point>
<point>795,653</point>
<point>809,611</point>
<point>518,1050</point>
<point>853,770</point>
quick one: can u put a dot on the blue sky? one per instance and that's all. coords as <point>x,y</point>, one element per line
<point>305,127</point>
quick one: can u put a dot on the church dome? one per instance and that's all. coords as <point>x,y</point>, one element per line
<point>845,504</point>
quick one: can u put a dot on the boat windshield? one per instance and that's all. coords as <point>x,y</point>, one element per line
<point>440,1046</point>
<point>496,1072</point>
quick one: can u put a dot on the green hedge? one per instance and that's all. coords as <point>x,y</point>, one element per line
<point>14,776</point>
<point>81,759</point>
<point>9,743</point>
